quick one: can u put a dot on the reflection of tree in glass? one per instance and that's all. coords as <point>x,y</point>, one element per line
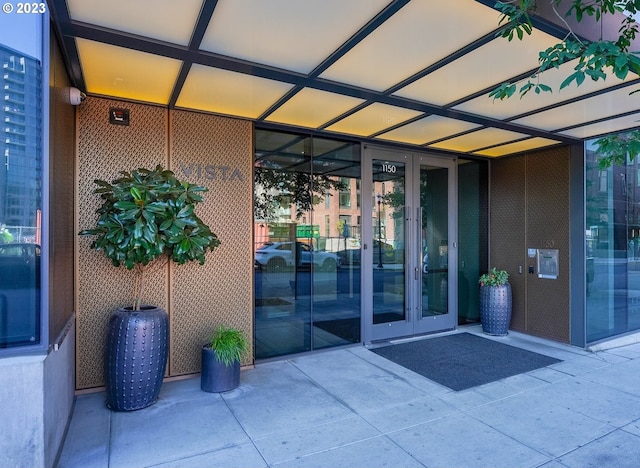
<point>396,200</point>
<point>278,189</point>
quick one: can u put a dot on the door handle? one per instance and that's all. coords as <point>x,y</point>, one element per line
<point>416,274</point>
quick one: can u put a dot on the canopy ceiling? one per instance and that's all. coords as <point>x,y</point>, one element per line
<point>413,72</point>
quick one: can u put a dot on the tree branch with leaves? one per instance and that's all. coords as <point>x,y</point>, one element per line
<point>594,60</point>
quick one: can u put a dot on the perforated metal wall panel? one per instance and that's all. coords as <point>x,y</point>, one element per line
<point>530,210</point>
<point>196,297</point>
<point>507,220</point>
<point>548,228</point>
<point>103,151</point>
<point>217,153</point>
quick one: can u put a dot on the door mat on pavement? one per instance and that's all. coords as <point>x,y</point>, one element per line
<point>347,329</point>
<point>461,361</point>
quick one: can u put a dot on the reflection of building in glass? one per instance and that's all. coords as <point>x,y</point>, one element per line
<point>612,246</point>
<point>20,143</point>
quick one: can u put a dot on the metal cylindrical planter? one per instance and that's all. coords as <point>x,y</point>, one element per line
<point>136,357</point>
<point>495,309</point>
<point>216,376</point>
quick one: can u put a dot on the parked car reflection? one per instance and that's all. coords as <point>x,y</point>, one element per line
<point>275,256</point>
<point>387,255</point>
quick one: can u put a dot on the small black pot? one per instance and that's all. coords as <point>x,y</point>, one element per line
<point>136,357</point>
<point>217,377</point>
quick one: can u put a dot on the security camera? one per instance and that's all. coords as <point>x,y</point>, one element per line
<point>74,96</point>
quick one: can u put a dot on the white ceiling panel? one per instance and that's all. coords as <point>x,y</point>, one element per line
<point>172,21</point>
<point>586,110</point>
<point>602,128</point>
<point>507,108</point>
<point>312,108</point>
<point>230,93</point>
<point>517,147</point>
<point>372,119</point>
<point>478,139</point>
<point>428,129</point>
<point>118,72</point>
<point>290,34</point>
<point>421,33</point>
<point>485,67</point>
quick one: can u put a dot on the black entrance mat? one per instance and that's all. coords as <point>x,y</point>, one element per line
<point>347,329</point>
<point>463,360</point>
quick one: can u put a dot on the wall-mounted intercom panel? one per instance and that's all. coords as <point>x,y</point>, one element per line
<point>548,263</point>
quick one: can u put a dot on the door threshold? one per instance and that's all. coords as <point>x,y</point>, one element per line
<point>414,337</point>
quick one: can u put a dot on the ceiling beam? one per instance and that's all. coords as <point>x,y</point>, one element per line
<point>199,31</point>
<point>60,17</point>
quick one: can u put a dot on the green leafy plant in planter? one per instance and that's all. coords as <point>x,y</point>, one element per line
<point>494,277</point>
<point>495,302</point>
<point>147,218</point>
<point>221,358</point>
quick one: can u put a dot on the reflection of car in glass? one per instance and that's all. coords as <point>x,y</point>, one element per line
<point>27,251</point>
<point>388,255</point>
<point>276,256</point>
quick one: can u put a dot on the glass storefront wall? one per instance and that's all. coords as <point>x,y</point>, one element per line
<point>612,247</point>
<point>307,243</point>
<point>21,178</point>
<point>473,236</point>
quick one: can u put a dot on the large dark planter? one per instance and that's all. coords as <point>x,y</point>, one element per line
<point>217,377</point>
<point>495,309</point>
<point>136,357</point>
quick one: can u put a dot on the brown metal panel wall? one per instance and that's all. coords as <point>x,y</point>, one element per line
<point>530,209</point>
<point>103,151</point>
<point>507,228</point>
<point>61,192</point>
<point>213,151</point>
<point>217,153</point>
<point>548,228</point>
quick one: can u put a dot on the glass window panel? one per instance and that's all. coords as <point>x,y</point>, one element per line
<point>434,193</point>
<point>472,236</point>
<point>612,248</point>
<point>389,240</point>
<point>306,284</point>
<point>20,178</point>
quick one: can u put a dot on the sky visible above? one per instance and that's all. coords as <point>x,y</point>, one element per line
<point>22,32</point>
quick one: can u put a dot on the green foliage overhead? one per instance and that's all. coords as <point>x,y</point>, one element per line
<point>594,60</point>
<point>494,278</point>
<point>229,344</point>
<point>148,215</point>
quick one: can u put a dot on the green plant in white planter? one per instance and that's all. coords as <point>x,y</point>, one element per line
<point>495,302</point>
<point>147,218</point>
<point>221,358</point>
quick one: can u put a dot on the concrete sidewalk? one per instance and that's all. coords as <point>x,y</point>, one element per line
<point>352,408</point>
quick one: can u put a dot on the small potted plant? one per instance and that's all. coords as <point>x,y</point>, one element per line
<point>495,302</point>
<point>221,360</point>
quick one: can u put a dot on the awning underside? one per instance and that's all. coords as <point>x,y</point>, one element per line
<point>415,72</point>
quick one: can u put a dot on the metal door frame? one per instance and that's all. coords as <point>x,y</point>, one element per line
<point>414,324</point>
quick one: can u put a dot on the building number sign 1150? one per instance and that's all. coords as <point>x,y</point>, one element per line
<point>391,168</point>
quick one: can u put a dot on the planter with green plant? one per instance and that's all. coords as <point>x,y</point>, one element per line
<point>221,358</point>
<point>146,219</point>
<point>495,302</point>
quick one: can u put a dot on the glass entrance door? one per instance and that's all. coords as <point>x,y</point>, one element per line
<point>409,244</point>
